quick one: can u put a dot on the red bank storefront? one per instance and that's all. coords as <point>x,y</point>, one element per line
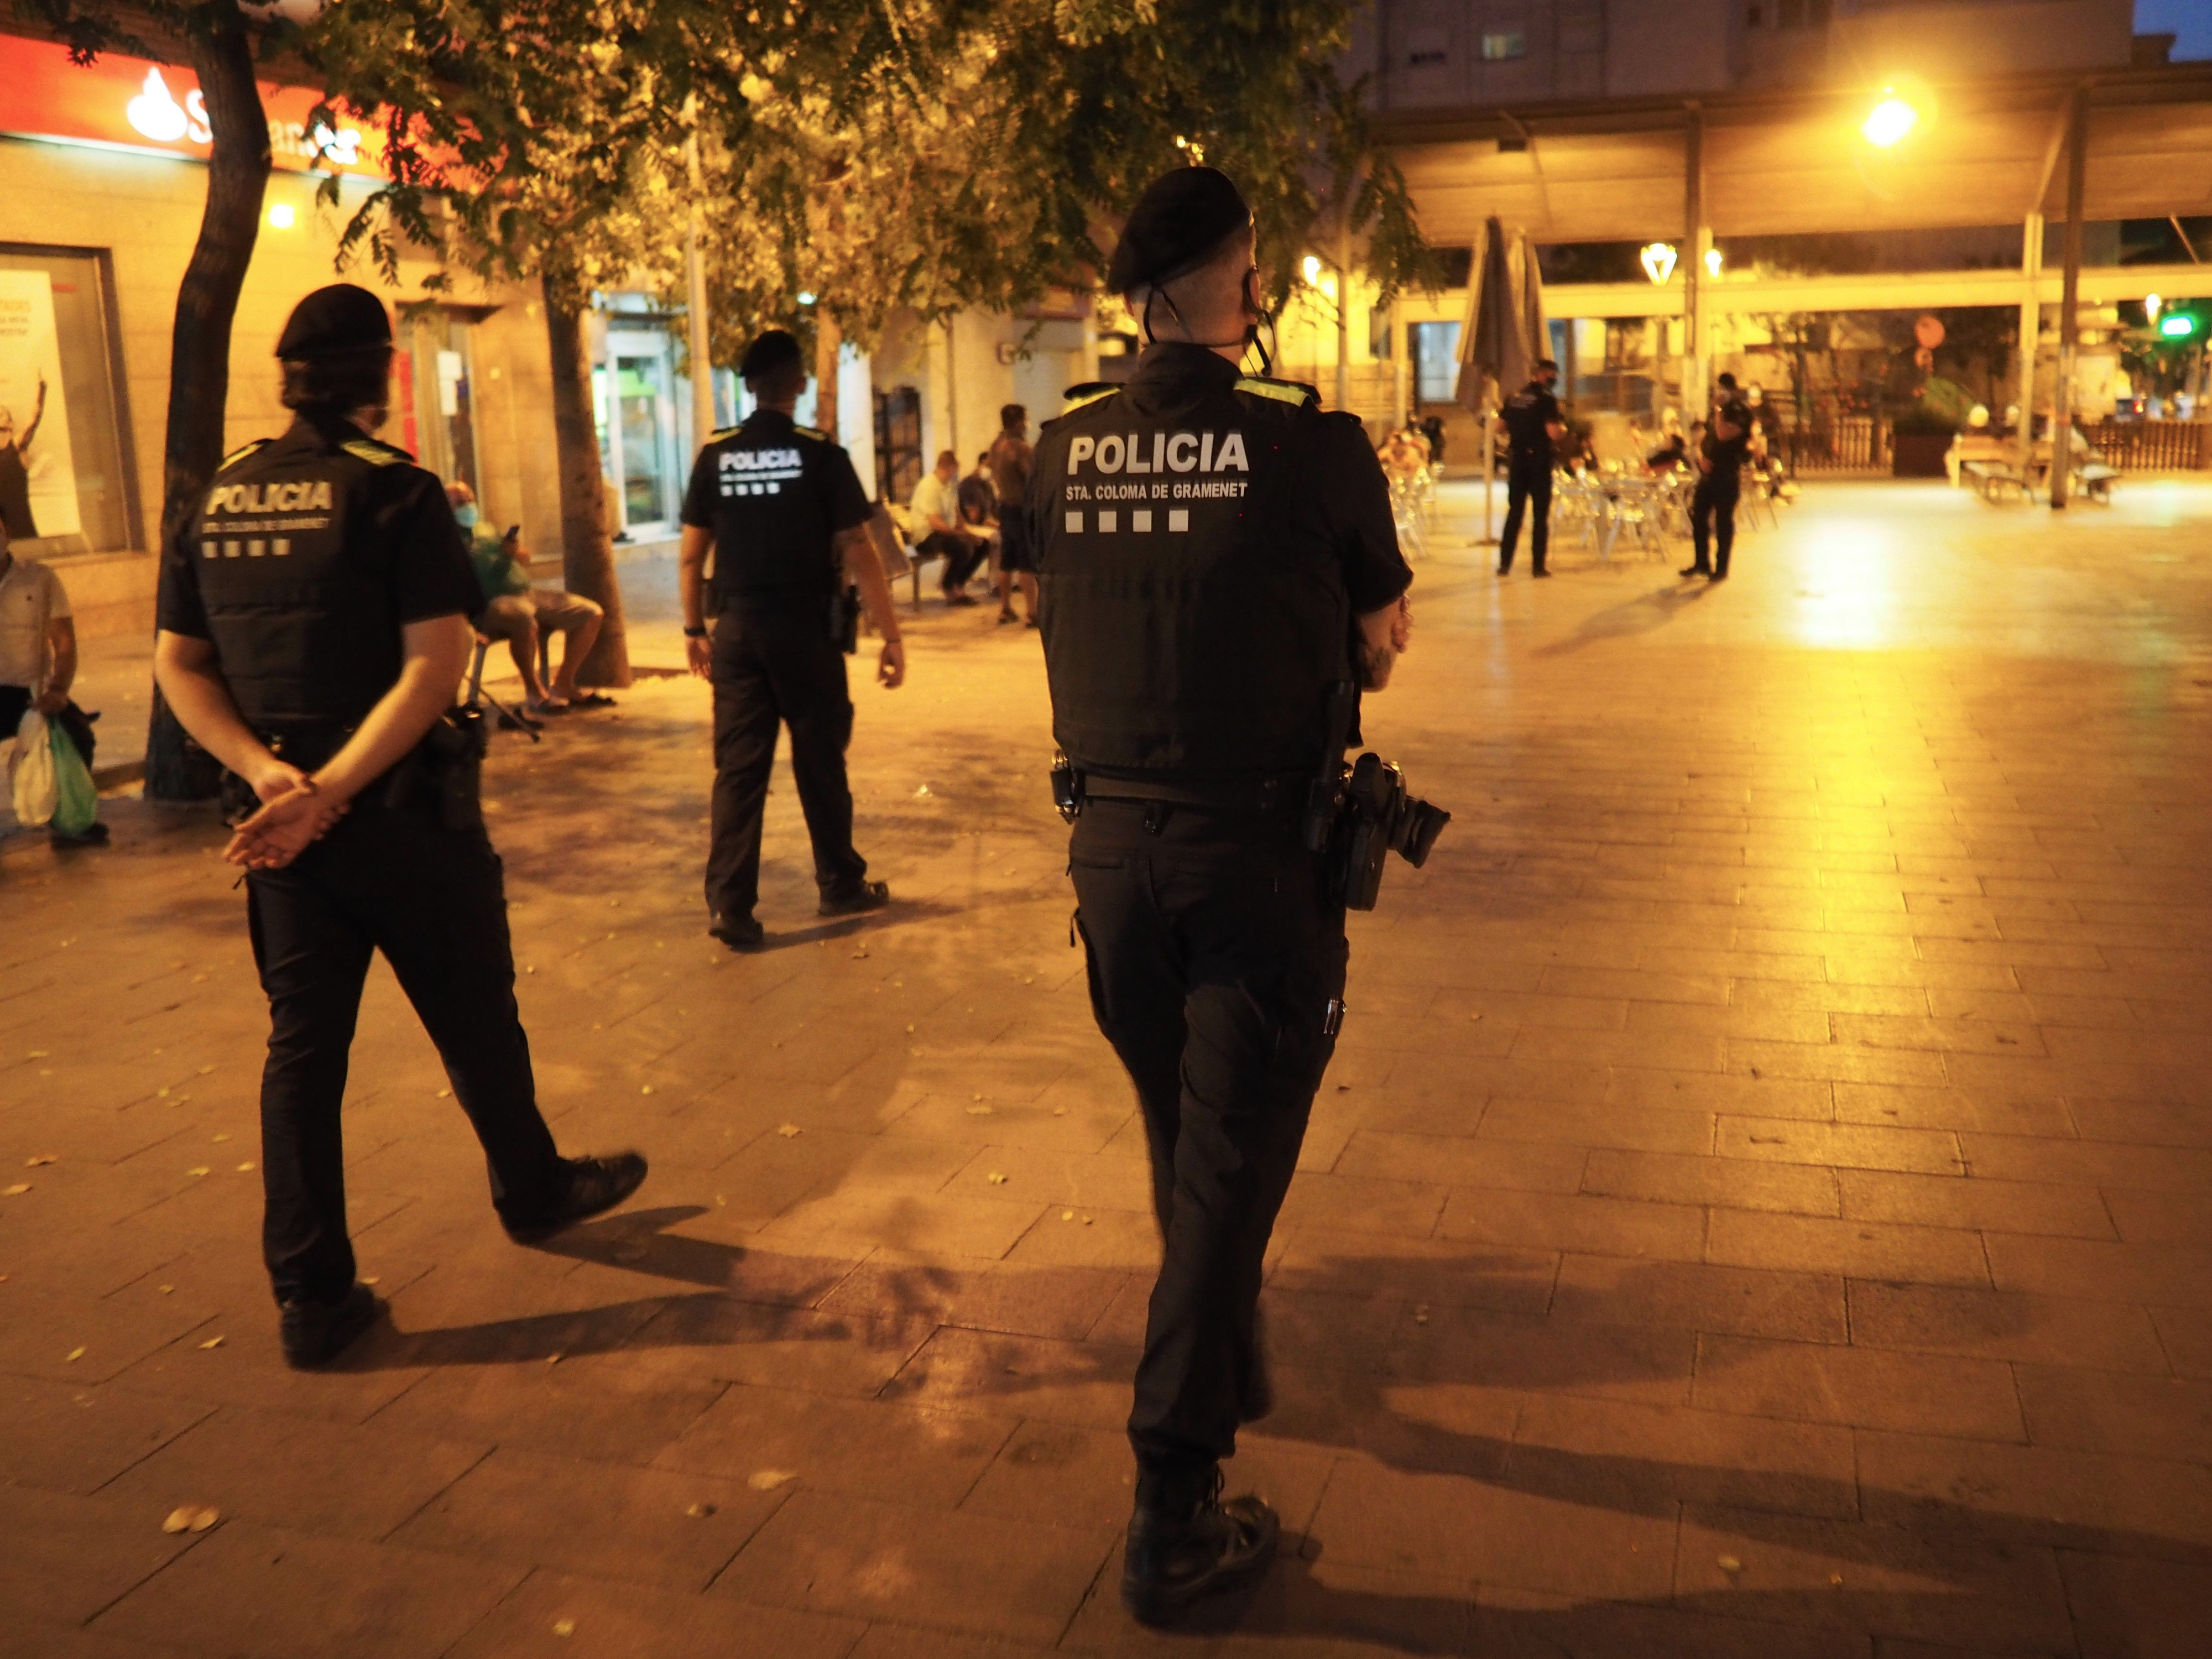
<point>102,182</point>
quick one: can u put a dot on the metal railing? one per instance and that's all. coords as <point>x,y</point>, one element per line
<point>1856,443</point>
<point>2151,446</point>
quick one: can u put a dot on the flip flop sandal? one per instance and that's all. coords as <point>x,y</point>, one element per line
<point>591,700</point>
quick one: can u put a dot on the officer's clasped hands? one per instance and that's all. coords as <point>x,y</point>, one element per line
<point>285,827</point>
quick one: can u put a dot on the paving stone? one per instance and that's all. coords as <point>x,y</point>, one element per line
<point>2110,1411</point>
<point>555,1615</point>
<point>1731,1182</point>
<point>329,1479</point>
<point>1699,1296</point>
<point>599,1407</point>
<point>69,1557</point>
<point>1953,1200</point>
<point>1822,1382</point>
<point>2003,1325</point>
<point>1928,1255</point>
<point>2129,1607</point>
<point>959,1571</point>
<point>1626,1454</point>
<point>867,1448</point>
<point>2036,1493</point>
<point>676,1529</point>
<point>268,1592</point>
<point>1876,1581</point>
<point>76,1438</point>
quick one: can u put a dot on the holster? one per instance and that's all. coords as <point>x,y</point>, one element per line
<point>447,767</point>
<point>845,620</point>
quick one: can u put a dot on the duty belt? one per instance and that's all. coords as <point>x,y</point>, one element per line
<point>1258,794</point>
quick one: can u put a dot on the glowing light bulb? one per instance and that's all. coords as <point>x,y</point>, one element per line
<point>1889,121</point>
<point>1312,271</point>
<point>806,298</point>
<point>1658,260</point>
<point>2152,306</point>
<point>282,216</point>
<point>1712,262</point>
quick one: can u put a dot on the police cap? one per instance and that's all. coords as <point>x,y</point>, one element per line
<point>1181,218</point>
<point>774,349</point>
<point>339,318</point>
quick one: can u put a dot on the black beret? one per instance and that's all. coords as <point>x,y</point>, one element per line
<point>1177,223</point>
<point>775,349</point>
<point>339,318</point>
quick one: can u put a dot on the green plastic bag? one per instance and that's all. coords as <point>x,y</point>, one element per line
<point>77,806</point>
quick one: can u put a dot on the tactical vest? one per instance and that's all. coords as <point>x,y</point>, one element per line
<point>296,590</point>
<point>1194,615</point>
<point>773,539</point>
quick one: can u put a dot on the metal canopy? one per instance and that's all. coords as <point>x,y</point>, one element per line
<point>1789,165</point>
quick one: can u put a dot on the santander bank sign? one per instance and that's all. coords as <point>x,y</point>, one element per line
<point>128,103</point>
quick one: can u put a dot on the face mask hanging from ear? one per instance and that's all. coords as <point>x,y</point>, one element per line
<point>1249,339</point>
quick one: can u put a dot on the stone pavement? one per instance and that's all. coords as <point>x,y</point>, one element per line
<point>1759,1207</point>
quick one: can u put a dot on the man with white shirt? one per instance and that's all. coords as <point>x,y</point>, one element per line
<point>943,530</point>
<point>38,662</point>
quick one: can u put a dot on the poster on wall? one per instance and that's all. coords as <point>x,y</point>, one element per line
<point>38,478</point>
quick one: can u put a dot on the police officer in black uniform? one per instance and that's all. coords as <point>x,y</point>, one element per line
<point>780,508</point>
<point>1218,566</point>
<point>1533,427</point>
<point>1720,482</point>
<point>313,630</point>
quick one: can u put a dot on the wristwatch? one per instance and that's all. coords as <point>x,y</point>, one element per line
<point>699,632</point>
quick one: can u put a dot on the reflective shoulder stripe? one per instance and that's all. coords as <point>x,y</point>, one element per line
<point>376,454</point>
<point>1081,397</point>
<point>813,432</point>
<point>241,452</point>
<point>726,432</point>
<point>1283,392</point>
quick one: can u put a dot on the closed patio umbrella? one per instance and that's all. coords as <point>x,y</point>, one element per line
<point>1502,337</point>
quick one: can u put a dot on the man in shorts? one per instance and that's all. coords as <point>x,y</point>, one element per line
<point>1009,457</point>
<point>518,613</point>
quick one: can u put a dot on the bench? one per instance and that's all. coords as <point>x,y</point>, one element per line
<point>1989,477</point>
<point>2096,480</point>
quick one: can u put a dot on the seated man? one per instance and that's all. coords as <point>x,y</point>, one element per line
<point>945,531</point>
<point>38,661</point>
<point>516,612</point>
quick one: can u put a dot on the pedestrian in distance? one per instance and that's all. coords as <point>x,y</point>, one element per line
<point>312,634</point>
<point>1010,458</point>
<point>944,530</point>
<point>781,510</point>
<point>1720,459</point>
<point>1218,565</point>
<point>1534,427</point>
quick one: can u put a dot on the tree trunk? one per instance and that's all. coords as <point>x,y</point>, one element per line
<point>829,342</point>
<point>199,344</point>
<point>587,551</point>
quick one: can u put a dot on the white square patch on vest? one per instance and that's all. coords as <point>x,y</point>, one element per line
<point>1178,519</point>
<point>1075,523</point>
<point>1141,519</point>
<point>1109,523</point>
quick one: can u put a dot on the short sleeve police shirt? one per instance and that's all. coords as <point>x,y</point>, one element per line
<point>403,526</point>
<point>775,494</point>
<point>1528,414</point>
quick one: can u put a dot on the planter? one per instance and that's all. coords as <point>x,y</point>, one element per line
<point>1918,454</point>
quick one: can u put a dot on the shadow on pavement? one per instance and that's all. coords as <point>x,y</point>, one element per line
<point>1642,615</point>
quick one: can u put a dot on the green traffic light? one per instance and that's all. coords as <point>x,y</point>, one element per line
<point>2178,327</point>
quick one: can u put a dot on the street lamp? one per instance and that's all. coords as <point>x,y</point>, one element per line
<point>2152,306</point>
<point>1312,271</point>
<point>1657,259</point>
<point>1712,262</point>
<point>1890,121</point>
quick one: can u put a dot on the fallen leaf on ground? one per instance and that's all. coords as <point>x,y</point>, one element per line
<point>244,1167</point>
<point>979,1111</point>
<point>371,1279</point>
<point>788,1130</point>
<point>197,1170</point>
<point>1730,1564</point>
<point>996,1179</point>
<point>76,1354</point>
<point>38,1159</point>
<point>564,1627</point>
<point>191,1517</point>
<point>445,1094</point>
<point>167,1290</point>
<point>1067,1215</point>
<point>222,1138</point>
<point>212,1342</point>
<point>700,1511</point>
<point>40,1053</point>
<point>769,1479</point>
<point>647,1090</point>
<point>10,1191</point>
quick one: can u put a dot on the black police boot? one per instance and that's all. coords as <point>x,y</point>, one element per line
<point>596,1185</point>
<point>738,932</point>
<point>868,896</point>
<point>315,1333</point>
<point>1184,1546</point>
<point>1695,570</point>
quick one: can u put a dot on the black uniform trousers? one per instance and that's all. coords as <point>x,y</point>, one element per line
<point>393,879</point>
<point>769,668</point>
<point>1528,485</point>
<point>1712,519</point>
<point>1214,951</point>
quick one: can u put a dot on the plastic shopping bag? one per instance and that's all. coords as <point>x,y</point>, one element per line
<point>76,798</point>
<point>31,772</point>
